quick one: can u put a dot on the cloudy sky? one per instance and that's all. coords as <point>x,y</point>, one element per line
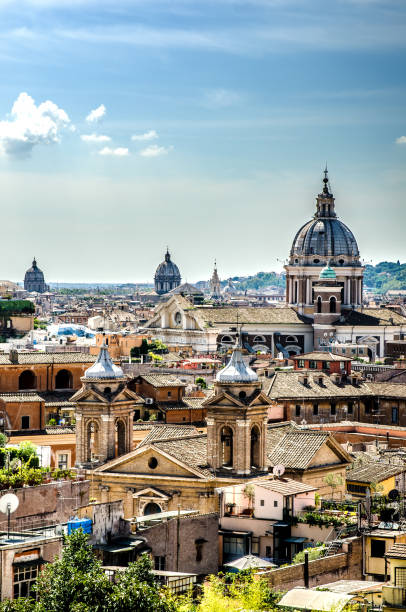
<point>129,125</point>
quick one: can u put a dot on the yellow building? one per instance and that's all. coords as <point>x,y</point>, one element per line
<point>375,477</point>
<point>394,594</point>
<point>376,544</point>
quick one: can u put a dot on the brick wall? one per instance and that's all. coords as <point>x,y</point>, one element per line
<point>182,553</point>
<point>49,503</point>
<point>344,566</point>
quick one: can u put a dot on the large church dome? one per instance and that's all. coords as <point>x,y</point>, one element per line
<point>167,275</point>
<point>34,279</point>
<point>325,235</point>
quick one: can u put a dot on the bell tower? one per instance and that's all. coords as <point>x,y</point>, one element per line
<point>236,419</point>
<point>327,306</point>
<point>104,413</point>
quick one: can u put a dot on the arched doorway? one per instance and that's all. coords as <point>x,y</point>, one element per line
<point>27,380</point>
<point>255,446</point>
<point>226,439</point>
<point>63,380</point>
<point>333,304</point>
<point>120,438</point>
<point>319,305</point>
<point>92,441</point>
<point>152,508</point>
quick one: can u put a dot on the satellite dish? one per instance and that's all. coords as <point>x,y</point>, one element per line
<point>9,503</point>
<point>393,494</point>
<point>278,470</point>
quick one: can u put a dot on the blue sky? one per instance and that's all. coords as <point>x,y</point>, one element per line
<point>213,121</point>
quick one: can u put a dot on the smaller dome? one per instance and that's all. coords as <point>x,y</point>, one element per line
<point>104,367</point>
<point>236,371</point>
<point>327,273</point>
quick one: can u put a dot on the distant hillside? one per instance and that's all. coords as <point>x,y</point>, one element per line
<point>260,280</point>
<point>385,275</point>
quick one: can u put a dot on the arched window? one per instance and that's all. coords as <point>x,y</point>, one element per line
<point>27,380</point>
<point>255,447</point>
<point>319,304</point>
<point>120,438</point>
<point>92,441</point>
<point>152,508</point>
<point>64,380</point>
<point>291,339</point>
<point>333,304</point>
<point>259,340</point>
<point>227,339</point>
<point>227,447</point>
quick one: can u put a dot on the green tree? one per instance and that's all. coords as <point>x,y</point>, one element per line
<point>333,481</point>
<point>201,382</point>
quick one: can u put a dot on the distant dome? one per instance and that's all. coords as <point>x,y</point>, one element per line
<point>236,371</point>
<point>104,367</point>
<point>34,279</point>
<point>327,273</point>
<point>325,235</point>
<point>167,275</point>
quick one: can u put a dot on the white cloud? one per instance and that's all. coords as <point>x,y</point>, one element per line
<point>221,98</point>
<point>151,135</point>
<point>30,125</point>
<point>95,138</point>
<point>118,152</point>
<point>401,140</point>
<point>96,114</point>
<point>155,151</point>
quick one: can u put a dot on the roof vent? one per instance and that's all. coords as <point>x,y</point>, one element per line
<point>13,355</point>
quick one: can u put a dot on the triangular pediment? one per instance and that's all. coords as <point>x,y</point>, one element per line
<point>92,395</point>
<point>139,462</point>
<point>260,400</point>
<point>152,492</point>
<point>222,399</point>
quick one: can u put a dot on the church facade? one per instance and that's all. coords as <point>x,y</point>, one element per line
<point>324,284</point>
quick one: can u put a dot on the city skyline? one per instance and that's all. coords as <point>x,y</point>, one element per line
<point>126,127</point>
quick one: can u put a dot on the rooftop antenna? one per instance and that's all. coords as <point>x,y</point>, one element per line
<point>9,504</point>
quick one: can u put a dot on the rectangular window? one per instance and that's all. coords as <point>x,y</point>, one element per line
<point>315,409</point>
<point>400,577</point>
<point>275,503</point>
<point>350,409</point>
<point>63,461</point>
<point>377,548</point>
<point>395,414</point>
<point>262,502</point>
<point>160,563</point>
<point>25,422</point>
<point>234,546</point>
<point>301,363</point>
<point>24,577</point>
<point>297,410</point>
<point>313,365</point>
<point>333,410</point>
<point>268,552</point>
<point>169,393</point>
<point>255,545</point>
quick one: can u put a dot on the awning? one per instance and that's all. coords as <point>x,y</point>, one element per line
<point>120,547</point>
<point>307,599</point>
<point>295,540</point>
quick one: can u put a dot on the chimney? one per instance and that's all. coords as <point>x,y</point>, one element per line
<point>13,356</point>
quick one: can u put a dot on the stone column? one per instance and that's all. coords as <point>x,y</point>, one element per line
<point>308,299</point>
<point>290,290</point>
<point>79,439</point>
<point>212,445</point>
<point>349,291</point>
<point>104,493</point>
<point>129,503</point>
<point>241,448</point>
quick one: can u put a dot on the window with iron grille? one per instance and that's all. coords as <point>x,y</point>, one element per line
<point>24,577</point>
<point>159,563</point>
<point>400,577</point>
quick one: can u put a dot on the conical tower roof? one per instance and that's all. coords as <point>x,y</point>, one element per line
<point>104,367</point>
<point>236,371</point>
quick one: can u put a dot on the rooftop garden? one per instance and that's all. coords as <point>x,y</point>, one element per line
<point>19,467</point>
<point>16,307</point>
